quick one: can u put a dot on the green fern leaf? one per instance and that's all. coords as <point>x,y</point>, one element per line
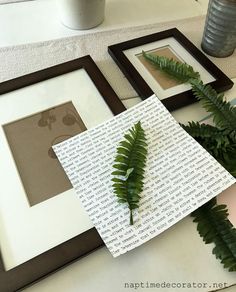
<point>212,222</point>
<point>218,142</point>
<point>130,162</point>
<point>224,114</point>
<point>214,227</point>
<point>182,72</point>
<point>197,130</point>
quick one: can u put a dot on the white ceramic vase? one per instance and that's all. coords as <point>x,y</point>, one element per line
<point>81,14</point>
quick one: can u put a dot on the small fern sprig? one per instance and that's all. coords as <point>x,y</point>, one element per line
<point>130,162</point>
<point>180,71</point>
<point>214,227</point>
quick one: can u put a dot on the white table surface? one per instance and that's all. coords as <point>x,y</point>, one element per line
<point>178,255</point>
<point>37,20</point>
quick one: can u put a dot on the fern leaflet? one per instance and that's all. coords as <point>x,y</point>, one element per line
<point>224,114</point>
<point>214,227</point>
<point>130,162</point>
<point>218,142</point>
<point>179,71</point>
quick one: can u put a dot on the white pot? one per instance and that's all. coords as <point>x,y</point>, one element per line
<point>81,14</point>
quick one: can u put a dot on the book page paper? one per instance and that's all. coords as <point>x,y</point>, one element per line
<point>180,175</point>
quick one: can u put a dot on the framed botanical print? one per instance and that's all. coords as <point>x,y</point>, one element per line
<point>147,80</point>
<point>43,226</point>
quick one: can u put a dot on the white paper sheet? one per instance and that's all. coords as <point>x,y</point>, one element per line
<point>180,175</point>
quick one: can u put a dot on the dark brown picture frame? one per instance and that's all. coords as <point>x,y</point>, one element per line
<point>88,241</point>
<point>222,82</point>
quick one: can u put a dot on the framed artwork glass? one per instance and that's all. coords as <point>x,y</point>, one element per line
<point>147,80</point>
<point>43,226</point>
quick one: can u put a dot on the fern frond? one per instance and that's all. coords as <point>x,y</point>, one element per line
<point>224,114</point>
<point>179,71</point>
<point>130,162</point>
<point>197,130</point>
<point>212,222</point>
<point>218,142</point>
<point>214,227</point>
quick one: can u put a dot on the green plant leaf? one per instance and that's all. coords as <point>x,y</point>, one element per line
<point>212,222</point>
<point>214,227</point>
<point>130,162</point>
<point>218,142</point>
<point>224,114</point>
<point>182,72</point>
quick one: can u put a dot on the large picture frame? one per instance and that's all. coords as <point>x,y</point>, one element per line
<point>32,94</point>
<point>172,44</point>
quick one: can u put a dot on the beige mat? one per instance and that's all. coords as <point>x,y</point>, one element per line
<point>23,59</point>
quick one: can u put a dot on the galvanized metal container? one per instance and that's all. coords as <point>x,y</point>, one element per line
<point>219,37</point>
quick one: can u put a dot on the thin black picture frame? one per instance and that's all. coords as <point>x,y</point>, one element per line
<point>221,83</point>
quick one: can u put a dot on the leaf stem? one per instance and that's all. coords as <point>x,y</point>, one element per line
<point>131,217</point>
